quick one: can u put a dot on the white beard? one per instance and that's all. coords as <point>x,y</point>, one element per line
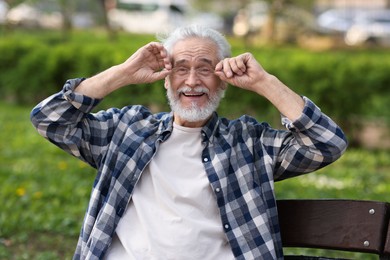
<point>194,113</point>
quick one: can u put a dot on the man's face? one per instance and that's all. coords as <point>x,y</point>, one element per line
<point>193,90</point>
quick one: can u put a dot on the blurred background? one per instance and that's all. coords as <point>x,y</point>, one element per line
<point>353,22</point>
<point>336,52</point>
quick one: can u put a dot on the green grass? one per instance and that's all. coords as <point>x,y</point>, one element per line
<point>45,192</point>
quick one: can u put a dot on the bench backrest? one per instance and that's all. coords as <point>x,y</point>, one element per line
<point>348,225</point>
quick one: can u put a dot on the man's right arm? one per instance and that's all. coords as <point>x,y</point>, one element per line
<point>65,117</point>
<point>148,64</point>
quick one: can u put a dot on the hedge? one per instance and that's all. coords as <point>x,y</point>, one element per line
<point>346,84</point>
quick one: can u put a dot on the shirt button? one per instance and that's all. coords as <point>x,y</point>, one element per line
<point>226,226</point>
<point>217,189</point>
<point>205,159</point>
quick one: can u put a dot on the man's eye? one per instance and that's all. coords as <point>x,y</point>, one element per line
<point>204,71</point>
<point>181,70</point>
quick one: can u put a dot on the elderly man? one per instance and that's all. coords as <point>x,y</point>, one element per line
<point>186,184</point>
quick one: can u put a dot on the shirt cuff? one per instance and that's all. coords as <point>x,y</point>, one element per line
<point>310,115</point>
<point>79,101</point>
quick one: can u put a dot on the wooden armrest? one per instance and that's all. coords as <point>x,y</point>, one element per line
<point>347,225</point>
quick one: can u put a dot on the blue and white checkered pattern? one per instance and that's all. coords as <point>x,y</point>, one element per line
<point>242,158</point>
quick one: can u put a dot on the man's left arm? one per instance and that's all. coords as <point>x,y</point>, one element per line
<point>245,72</point>
<point>314,140</point>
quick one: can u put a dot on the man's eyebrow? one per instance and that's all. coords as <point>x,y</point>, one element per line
<point>180,62</point>
<point>208,61</point>
<point>202,60</point>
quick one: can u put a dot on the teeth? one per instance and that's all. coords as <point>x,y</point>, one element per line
<point>189,94</point>
<point>195,92</point>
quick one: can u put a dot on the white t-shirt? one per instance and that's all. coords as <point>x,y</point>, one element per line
<point>173,213</point>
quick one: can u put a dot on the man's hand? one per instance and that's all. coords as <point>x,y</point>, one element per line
<point>148,64</point>
<point>242,71</point>
<point>245,72</point>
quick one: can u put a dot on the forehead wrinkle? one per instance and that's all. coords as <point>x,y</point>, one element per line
<point>194,50</point>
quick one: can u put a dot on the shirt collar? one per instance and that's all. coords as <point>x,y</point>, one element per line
<point>209,130</point>
<point>166,125</point>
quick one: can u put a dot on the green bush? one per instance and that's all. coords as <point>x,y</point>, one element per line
<point>345,83</point>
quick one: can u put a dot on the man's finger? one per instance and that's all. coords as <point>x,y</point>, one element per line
<point>227,68</point>
<point>241,65</point>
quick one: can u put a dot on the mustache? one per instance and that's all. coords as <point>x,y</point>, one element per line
<point>187,89</point>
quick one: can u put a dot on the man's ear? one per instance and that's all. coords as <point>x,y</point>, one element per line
<point>166,83</point>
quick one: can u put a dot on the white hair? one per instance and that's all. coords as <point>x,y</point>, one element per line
<point>196,31</point>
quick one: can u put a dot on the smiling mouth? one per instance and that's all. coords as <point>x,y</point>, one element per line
<point>193,94</point>
<point>196,92</point>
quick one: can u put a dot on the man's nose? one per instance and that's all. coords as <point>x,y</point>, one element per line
<point>192,78</point>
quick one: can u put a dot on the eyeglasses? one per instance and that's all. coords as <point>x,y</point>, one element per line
<point>202,72</point>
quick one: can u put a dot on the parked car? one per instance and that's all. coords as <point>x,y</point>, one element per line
<point>24,15</point>
<point>45,14</point>
<point>357,26</point>
<point>370,27</point>
<point>289,22</point>
<point>145,16</point>
<point>157,16</point>
<point>337,20</point>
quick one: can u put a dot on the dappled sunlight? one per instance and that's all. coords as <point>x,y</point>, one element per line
<point>326,182</point>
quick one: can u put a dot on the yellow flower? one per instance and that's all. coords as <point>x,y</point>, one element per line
<point>37,195</point>
<point>62,165</point>
<point>21,191</point>
<point>82,164</point>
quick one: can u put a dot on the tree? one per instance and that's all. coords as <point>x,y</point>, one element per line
<point>105,6</point>
<point>66,11</point>
<point>269,31</point>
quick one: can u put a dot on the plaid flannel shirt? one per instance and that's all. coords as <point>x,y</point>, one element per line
<point>242,158</point>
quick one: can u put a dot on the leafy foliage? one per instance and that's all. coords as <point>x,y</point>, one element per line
<point>344,83</point>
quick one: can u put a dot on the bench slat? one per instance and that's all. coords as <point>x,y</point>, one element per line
<point>387,243</point>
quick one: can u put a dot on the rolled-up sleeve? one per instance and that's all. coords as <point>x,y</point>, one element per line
<point>314,141</point>
<point>65,120</point>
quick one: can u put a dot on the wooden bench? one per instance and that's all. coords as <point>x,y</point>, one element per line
<point>347,225</point>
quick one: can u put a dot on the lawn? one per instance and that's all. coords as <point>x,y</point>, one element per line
<point>45,191</point>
